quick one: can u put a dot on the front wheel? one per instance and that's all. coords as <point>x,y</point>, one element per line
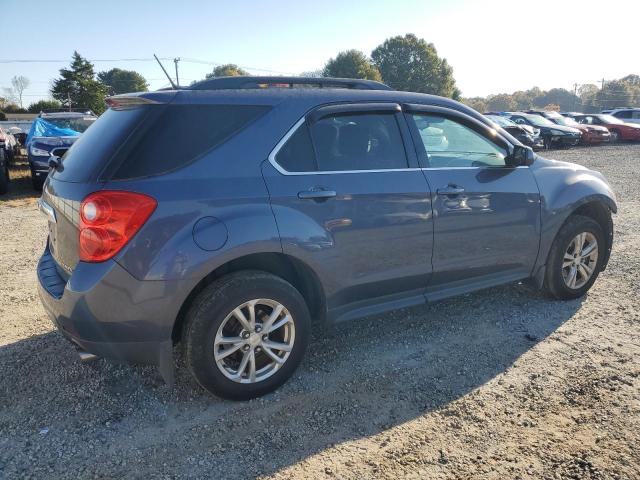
<point>575,259</point>
<point>246,333</point>
<point>615,136</point>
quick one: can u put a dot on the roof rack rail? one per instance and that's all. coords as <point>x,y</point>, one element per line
<point>250,82</point>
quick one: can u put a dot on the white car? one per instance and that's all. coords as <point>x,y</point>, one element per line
<point>627,115</point>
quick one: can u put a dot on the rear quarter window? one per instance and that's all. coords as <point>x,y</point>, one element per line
<point>148,140</point>
<point>178,135</point>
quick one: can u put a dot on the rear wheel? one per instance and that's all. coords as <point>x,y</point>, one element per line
<point>575,259</point>
<point>246,334</point>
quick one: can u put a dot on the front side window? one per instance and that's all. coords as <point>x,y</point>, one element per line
<point>450,144</point>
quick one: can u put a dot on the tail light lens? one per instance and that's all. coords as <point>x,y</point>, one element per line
<point>109,219</point>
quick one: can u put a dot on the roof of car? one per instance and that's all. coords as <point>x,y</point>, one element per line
<point>262,82</point>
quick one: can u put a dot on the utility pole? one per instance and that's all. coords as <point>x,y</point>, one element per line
<point>175,61</point>
<point>69,100</point>
<point>602,100</point>
<point>575,95</point>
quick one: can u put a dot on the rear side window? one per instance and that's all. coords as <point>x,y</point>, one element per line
<point>296,155</point>
<point>152,139</point>
<point>345,142</point>
<point>358,142</point>
<point>95,147</point>
<point>179,134</point>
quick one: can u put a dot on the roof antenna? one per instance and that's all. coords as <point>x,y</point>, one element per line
<point>173,85</point>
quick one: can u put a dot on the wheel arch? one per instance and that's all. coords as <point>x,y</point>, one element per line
<point>599,210</point>
<point>291,269</point>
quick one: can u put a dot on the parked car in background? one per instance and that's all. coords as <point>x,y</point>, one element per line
<point>286,207</point>
<point>51,135</point>
<point>553,135</point>
<point>570,114</point>
<point>8,143</point>
<point>4,172</point>
<point>590,133</point>
<point>626,114</point>
<point>525,134</point>
<point>619,130</point>
<point>19,134</point>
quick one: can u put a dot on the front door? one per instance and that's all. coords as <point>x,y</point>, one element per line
<point>486,213</point>
<point>352,204</point>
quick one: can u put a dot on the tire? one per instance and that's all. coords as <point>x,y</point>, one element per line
<point>615,136</point>
<point>36,182</point>
<point>555,284</point>
<point>212,313</point>
<point>4,173</point>
<point>547,143</point>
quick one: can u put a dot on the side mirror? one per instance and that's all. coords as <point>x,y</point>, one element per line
<point>521,156</point>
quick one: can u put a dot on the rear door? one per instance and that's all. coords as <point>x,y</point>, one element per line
<point>350,200</point>
<point>486,213</point>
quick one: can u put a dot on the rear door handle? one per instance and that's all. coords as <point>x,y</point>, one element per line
<point>450,189</point>
<point>317,194</point>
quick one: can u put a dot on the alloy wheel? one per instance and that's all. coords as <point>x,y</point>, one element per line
<point>254,341</point>
<point>580,260</point>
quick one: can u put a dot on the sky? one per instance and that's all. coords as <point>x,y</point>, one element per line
<point>494,46</point>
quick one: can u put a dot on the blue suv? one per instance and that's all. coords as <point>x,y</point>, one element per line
<point>232,215</point>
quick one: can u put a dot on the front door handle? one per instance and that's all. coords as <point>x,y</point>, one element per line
<point>450,189</point>
<point>317,194</point>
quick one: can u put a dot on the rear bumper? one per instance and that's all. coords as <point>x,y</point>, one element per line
<point>105,311</point>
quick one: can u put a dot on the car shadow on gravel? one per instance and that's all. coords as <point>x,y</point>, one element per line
<point>357,380</point>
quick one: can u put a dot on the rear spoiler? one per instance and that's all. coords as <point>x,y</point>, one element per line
<point>134,99</point>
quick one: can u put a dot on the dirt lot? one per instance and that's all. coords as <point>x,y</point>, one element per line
<point>500,384</point>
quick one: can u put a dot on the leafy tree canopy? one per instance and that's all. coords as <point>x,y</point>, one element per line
<point>43,105</point>
<point>351,64</point>
<point>228,70</point>
<point>410,63</point>
<point>123,81</point>
<point>78,87</point>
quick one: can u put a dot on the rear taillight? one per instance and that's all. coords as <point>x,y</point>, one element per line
<point>108,220</point>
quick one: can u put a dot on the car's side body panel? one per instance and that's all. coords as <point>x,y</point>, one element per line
<point>370,247</point>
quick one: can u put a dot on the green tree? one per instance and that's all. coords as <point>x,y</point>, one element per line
<point>410,63</point>
<point>228,70</point>
<point>501,102</point>
<point>43,105</point>
<point>351,64</point>
<point>123,81</point>
<point>78,86</point>
<point>562,97</point>
<point>477,103</point>
<point>2,116</point>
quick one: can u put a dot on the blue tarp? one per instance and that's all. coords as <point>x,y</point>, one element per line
<point>42,128</point>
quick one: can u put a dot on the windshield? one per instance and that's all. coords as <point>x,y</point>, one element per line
<point>502,121</point>
<point>610,119</point>
<point>79,124</point>
<point>567,122</point>
<point>539,121</point>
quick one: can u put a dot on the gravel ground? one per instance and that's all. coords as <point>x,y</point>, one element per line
<point>499,384</point>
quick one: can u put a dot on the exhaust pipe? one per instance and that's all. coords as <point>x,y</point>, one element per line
<point>86,357</point>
